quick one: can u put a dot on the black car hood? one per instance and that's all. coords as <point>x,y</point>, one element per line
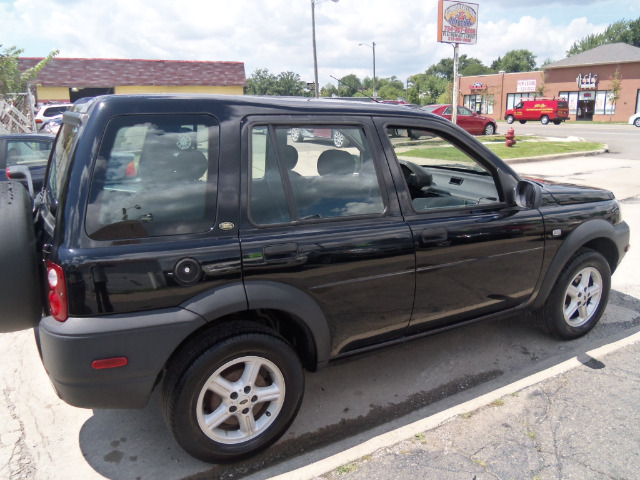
<point>567,193</point>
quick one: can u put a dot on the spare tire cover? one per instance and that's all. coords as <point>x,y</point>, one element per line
<point>19,278</point>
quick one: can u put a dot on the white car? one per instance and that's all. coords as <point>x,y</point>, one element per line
<point>49,112</point>
<point>635,119</point>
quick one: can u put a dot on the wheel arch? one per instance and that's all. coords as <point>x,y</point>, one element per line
<point>281,308</point>
<point>597,235</point>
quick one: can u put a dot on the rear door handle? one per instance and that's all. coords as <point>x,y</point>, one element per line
<point>281,251</point>
<point>431,235</point>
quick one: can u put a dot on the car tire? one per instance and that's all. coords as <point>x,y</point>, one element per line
<point>258,382</point>
<point>510,119</point>
<point>522,121</point>
<point>557,122</point>
<point>19,276</point>
<point>296,135</point>
<point>544,119</point>
<point>578,297</point>
<point>339,140</point>
<point>637,122</point>
<point>489,129</point>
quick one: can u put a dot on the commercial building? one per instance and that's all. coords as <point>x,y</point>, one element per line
<point>585,80</point>
<point>67,79</point>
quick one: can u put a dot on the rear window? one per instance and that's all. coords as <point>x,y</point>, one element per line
<point>28,152</point>
<point>154,175</point>
<point>53,111</point>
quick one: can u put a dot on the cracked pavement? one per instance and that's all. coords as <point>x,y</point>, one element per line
<point>566,427</point>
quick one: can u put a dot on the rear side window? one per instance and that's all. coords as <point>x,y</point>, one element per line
<point>305,173</point>
<point>27,152</point>
<point>60,161</point>
<point>154,175</point>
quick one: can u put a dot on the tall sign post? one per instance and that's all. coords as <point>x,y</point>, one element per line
<point>457,23</point>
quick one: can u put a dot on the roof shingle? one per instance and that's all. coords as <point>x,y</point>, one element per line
<point>101,72</point>
<point>609,53</point>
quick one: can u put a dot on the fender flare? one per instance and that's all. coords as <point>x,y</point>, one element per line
<point>584,233</point>
<point>283,297</point>
<point>253,295</point>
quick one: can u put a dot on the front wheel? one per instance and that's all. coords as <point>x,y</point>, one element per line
<point>579,296</point>
<point>544,120</point>
<point>296,135</point>
<point>489,129</point>
<point>510,119</point>
<point>339,140</point>
<point>637,122</point>
<point>226,399</point>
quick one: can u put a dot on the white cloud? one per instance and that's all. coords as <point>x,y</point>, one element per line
<point>276,34</point>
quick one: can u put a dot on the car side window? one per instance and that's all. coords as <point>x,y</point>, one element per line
<point>464,111</point>
<point>448,111</point>
<point>154,175</point>
<point>438,174</point>
<point>26,152</point>
<point>323,181</point>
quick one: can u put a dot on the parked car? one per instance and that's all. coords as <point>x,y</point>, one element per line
<point>49,112</point>
<point>226,261</point>
<point>540,109</point>
<point>635,119</point>
<point>470,121</point>
<point>25,150</point>
<point>335,136</point>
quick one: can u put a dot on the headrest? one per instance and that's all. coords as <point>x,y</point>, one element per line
<point>336,162</point>
<point>290,156</point>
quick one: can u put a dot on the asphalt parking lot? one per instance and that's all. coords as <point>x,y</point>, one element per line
<point>351,402</point>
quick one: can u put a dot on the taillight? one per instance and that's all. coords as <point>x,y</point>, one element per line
<point>38,120</point>
<point>57,292</point>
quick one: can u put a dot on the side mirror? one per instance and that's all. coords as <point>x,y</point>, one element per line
<point>20,172</point>
<point>528,195</point>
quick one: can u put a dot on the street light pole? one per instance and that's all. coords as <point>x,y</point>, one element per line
<point>372,47</point>
<point>313,33</point>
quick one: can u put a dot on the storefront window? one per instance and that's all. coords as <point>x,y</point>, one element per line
<point>586,104</point>
<point>482,104</point>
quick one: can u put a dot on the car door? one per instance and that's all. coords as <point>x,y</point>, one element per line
<point>475,254</point>
<point>467,120</point>
<point>321,222</point>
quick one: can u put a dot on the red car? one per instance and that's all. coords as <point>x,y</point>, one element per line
<point>470,121</point>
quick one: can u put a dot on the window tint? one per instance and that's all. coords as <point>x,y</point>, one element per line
<point>322,180</point>
<point>438,174</point>
<point>154,175</point>
<point>448,111</point>
<point>26,152</point>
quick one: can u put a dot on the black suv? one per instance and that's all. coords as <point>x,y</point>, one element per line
<point>190,242</point>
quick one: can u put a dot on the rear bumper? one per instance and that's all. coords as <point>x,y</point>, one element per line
<point>146,340</point>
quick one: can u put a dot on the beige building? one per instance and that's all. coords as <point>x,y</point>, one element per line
<point>67,79</point>
<point>585,80</point>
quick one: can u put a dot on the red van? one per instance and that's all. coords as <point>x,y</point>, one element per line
<point>556,111</point>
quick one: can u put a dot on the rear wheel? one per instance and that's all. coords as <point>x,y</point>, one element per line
<point>19,276</point>
<point>232,393</point>
<point>296,135</point>
<point>557,122</point>
<point>544,119</point>
<point>579,296</point>
<point>637,122</point>
<point>522,121</point>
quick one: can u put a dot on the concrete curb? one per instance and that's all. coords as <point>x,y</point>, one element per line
<point>390,438</point>
<point>557,156</point>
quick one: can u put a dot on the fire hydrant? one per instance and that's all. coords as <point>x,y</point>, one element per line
<point>510,137</point>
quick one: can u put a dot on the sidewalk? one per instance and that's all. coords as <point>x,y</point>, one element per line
<point>558,428</point>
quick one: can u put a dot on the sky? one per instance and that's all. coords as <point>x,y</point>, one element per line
<point>277,34</point>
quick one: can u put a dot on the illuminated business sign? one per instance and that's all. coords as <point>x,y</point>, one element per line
<point>457,22</point>
<point>587,82</point>
<point>524,86</point>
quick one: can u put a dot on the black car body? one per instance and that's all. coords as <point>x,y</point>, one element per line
<point>29,150</point>
<point>186,238</point>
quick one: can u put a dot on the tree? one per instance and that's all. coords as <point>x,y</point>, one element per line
<point>614,94</point>
<point>261,82</point>
<point>289,84</point>
<point>12,80</point>
<point>329,90</point>
<point>623,31</point>
<point>349,85</point>
<point>515,61</point>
